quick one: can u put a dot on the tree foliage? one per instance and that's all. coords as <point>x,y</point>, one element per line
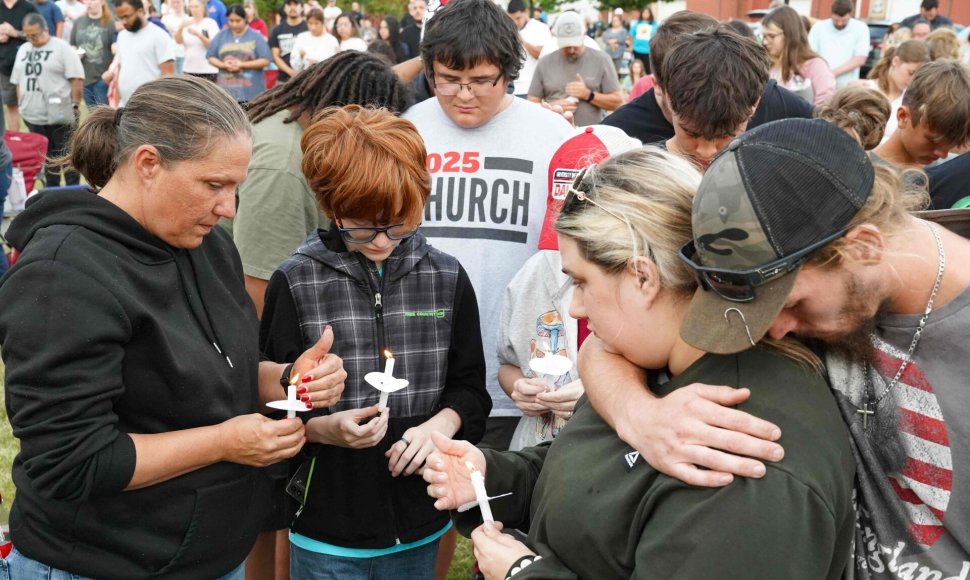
<point>375,8</point>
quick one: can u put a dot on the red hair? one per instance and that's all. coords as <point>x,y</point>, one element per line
<point>366,164</point>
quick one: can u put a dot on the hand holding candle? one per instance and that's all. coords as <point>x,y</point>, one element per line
<point>291,404</point>
<point>481,496</point>
<point>385,381</point>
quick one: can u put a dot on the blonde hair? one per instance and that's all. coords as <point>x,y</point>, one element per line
<point>943,43</point>
<point>652,192</point>
<point>859,111</point>
<point>910,51</point>
<point>895,194</point>
<point>901,35</point>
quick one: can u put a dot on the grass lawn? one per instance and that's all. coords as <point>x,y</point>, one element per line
<point>8,448</point>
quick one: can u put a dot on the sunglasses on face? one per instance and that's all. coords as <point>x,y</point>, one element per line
<point>739,285</point>
<point>364,235</point>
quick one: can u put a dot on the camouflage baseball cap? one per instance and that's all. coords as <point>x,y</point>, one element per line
<point>771,193</point>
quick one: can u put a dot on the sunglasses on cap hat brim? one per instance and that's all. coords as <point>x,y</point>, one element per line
<point>740,285</point>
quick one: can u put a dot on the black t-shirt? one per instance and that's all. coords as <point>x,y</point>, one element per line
<point>15,16</point>
<point>283,37</point>
<point>643,119</point>
<point>949,182</point>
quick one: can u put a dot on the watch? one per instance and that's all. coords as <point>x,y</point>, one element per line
<point>285,377</point>
<point>592,94</point>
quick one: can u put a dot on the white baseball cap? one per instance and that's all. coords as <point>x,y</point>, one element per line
<point>569,29</point>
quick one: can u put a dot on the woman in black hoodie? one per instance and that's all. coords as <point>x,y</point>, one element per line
<point>132,369</point>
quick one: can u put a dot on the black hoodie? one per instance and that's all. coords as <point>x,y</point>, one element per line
<point>106,330</point>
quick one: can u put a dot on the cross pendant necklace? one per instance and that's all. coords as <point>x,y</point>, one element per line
<point>869,406</point>
<point>865,411</point>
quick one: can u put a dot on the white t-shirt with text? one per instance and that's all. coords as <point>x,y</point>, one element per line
<point>43,76</point>
<point>488,202</point>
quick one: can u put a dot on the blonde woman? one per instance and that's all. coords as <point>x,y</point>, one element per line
<point>621,230</point>
<point>195,34</point>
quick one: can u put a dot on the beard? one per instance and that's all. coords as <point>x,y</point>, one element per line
<point>856,321</point>
<point>135,26</point>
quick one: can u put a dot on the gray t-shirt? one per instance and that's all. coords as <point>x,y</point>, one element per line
<point>913,505</point>
<point>616,49</point>
<point>43,76</point>
<point>554,72</point>
<point>487,203</point>
<point>95,39</point>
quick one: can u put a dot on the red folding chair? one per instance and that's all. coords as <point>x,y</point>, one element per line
<point>29,153</point>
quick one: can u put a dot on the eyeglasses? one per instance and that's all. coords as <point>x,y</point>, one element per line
<point>478,88</point>
<point>35,36</point>
<point>739,285</point>
<point>364,235</point>
<point>771,35</point>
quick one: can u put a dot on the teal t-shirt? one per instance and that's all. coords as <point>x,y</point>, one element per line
<point>642,31</point>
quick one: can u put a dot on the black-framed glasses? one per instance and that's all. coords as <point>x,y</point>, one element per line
<point>364,235</point>
<point>479,88</point>
<point>739,285</point>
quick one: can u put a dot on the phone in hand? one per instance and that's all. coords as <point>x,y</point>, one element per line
<point>205,33</point>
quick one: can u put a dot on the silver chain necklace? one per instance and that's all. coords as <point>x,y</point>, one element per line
<point>869,407</point>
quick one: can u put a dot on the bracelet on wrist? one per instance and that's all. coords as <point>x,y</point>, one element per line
<point>285,377</point>
<point>521,564</point>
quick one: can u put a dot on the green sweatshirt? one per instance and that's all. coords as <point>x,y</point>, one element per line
<point>595,509</point>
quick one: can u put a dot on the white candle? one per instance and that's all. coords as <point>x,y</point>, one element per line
<point>389,366</point>
<point>478,482</point>
<point>291,397</point>
<point>383,402</point>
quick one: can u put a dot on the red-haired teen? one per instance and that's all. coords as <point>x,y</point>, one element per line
<point>375,280</point>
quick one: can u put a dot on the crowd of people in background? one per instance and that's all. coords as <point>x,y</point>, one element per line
<point>288,204</point>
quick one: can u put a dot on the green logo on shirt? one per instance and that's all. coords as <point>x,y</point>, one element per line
<point>439,313</point>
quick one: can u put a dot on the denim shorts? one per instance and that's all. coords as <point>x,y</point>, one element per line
<point>20,567</point>
<point>414,564</point>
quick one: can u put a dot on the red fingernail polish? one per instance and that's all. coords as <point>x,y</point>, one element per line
<point>305,398</point>
<point>309,405</point>
<point>300,390</point>
<point>306,379</point>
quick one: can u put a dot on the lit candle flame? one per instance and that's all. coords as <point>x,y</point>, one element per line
<point>295,379</point>
<point>388,354</point>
